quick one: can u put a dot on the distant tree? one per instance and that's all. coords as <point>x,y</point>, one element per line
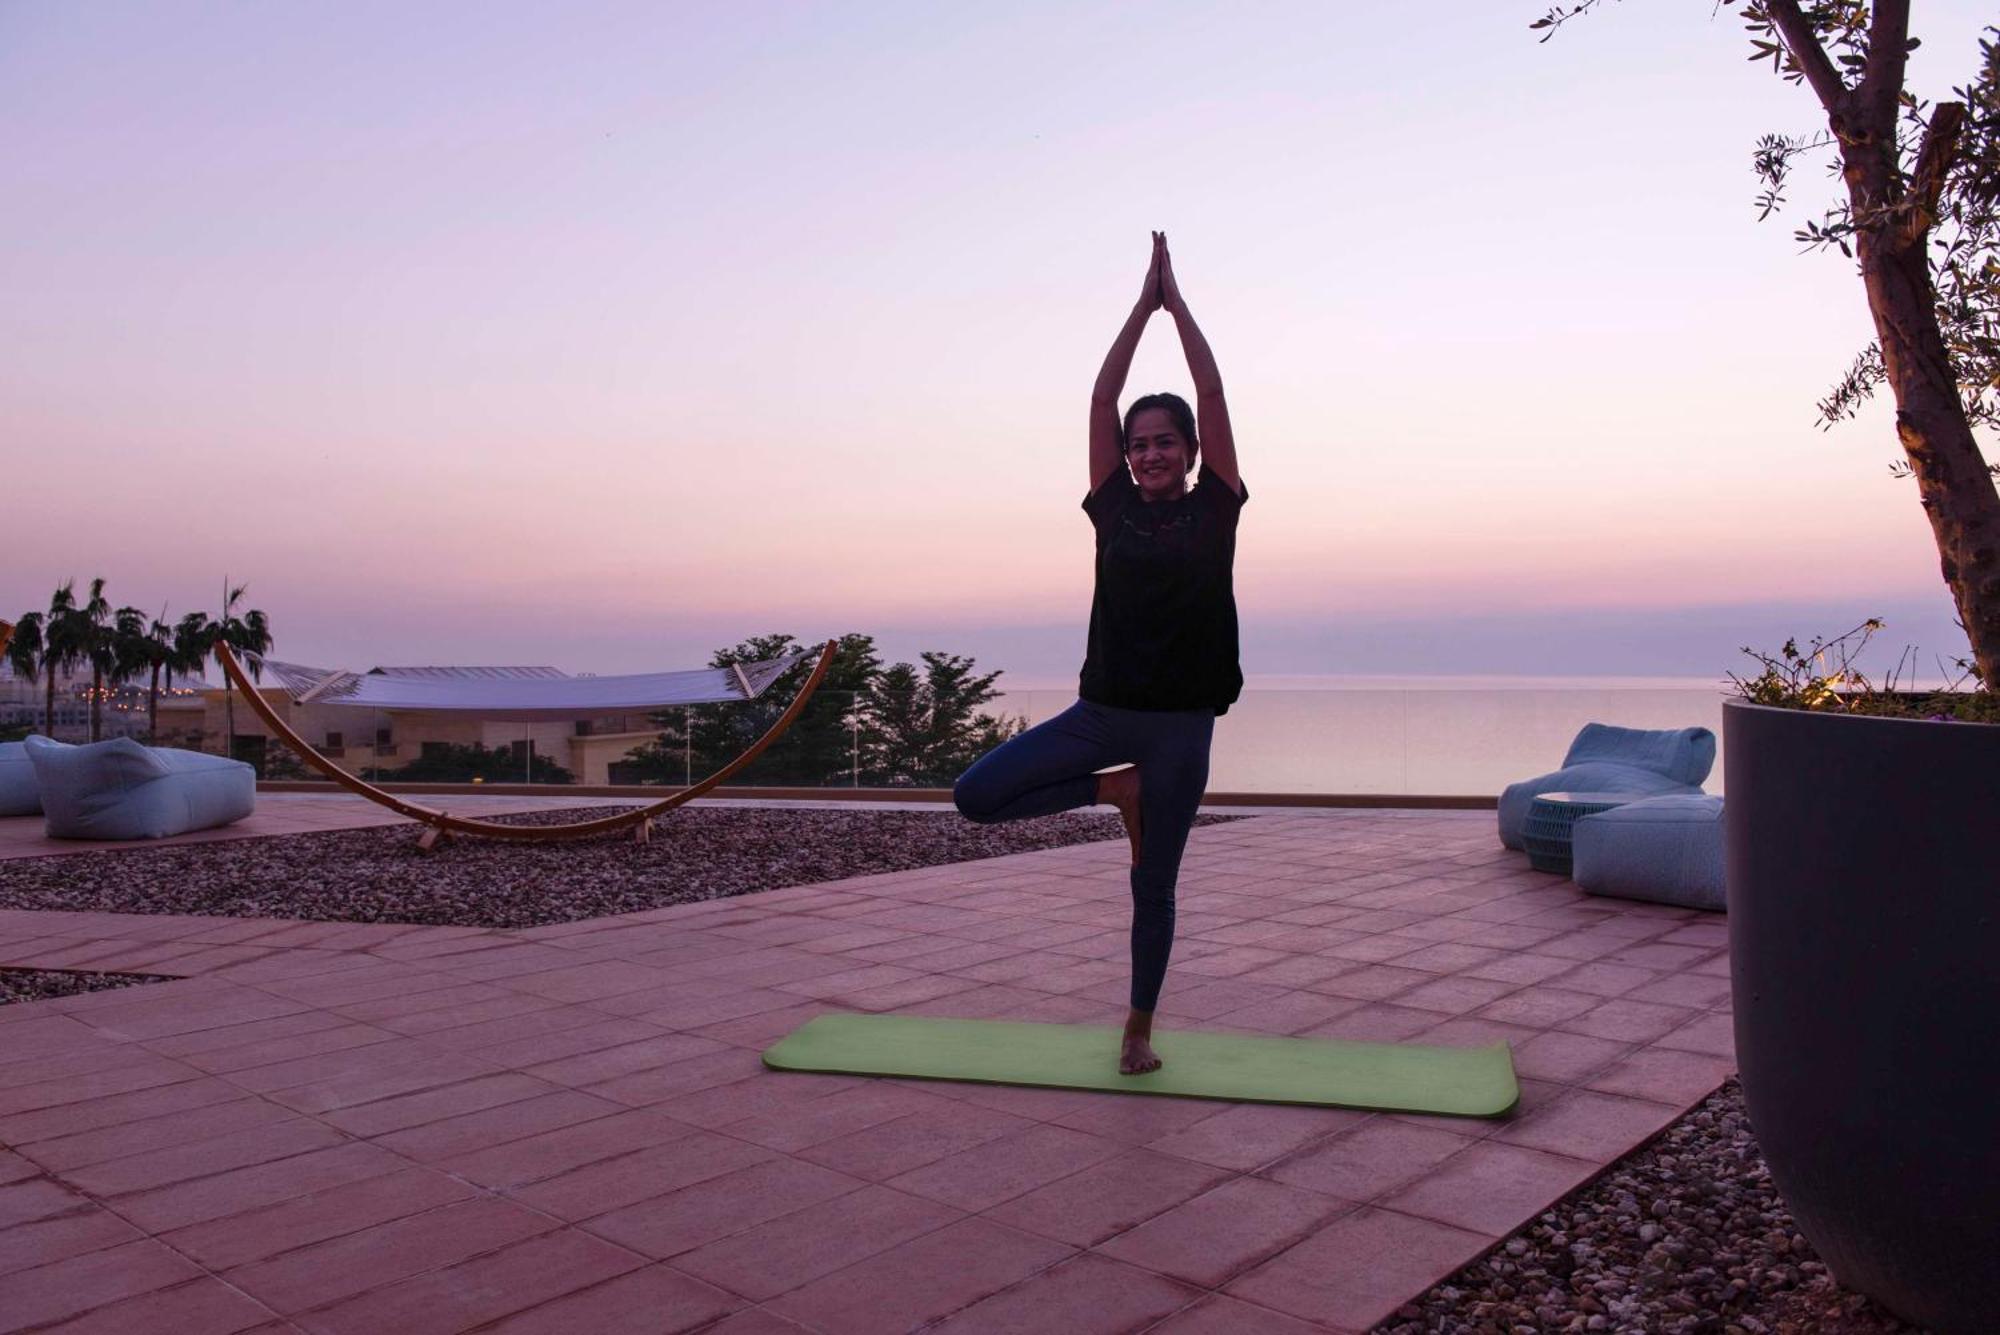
<point>892,726</point>
<point>925,729</point>
<point>194,640</point>
<point>142,647</point>
<point>24,655</point>
<point>446,763</point>
<point>184,658</point>
<point>119,646</point>
<point>247,633</point>
<point>131,647</point>
<point>159,656</point>
<point>98,640</point>
<point>1922,216</point>
<point>816,750</point>
<point>894,718</point>
<point>63,645</point>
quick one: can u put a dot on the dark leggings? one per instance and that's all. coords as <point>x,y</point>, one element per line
<point>1050,768</point>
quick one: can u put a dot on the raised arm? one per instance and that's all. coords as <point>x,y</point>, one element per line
<point>1105,452</point>
<point>1218,442</point>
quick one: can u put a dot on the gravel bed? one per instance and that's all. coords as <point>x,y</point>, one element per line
<point>1687,1235</point>
<point>377,875</point>
<point>41,984</point>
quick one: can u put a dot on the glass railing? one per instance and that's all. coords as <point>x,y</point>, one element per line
<point>1447,741</point>
<point>1433,741</point>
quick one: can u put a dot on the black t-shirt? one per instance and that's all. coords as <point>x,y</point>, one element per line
<point>1163,617</point>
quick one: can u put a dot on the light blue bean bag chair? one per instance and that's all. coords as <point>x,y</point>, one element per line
<point>1604,759</point>
<point>19,796</point>
<point>122,790</point>
<point>1667,850</point>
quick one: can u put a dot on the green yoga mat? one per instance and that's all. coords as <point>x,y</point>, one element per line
<point>1392,1077</point>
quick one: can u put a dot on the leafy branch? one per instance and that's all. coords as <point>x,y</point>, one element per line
<point>1825,676</point>
<point>1944,182</point>
<point>1560,15</point>
<point>1798,679</point>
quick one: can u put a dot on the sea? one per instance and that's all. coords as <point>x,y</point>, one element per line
<point>1431,736</point>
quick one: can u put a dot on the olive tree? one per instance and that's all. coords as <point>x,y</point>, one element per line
<point>1921,216</point>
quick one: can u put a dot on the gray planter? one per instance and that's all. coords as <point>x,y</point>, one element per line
<point>1864,933</point>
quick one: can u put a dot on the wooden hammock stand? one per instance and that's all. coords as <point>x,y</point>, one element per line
<point>439,824</point>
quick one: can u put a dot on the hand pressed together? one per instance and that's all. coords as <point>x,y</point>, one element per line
<point>1170,291</point>
<point>1149,294</point>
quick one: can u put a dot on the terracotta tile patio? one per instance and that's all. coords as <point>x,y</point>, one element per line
<point>340,1127</point>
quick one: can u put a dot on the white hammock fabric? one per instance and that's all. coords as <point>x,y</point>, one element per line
<point>532,697</point>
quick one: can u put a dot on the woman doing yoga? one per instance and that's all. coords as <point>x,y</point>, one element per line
<point>1161,662</point>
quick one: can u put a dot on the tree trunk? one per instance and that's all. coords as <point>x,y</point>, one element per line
<point>96,703</point>
<point>153,709</point>
<point>1893,215</point>
<point>228,719</point>
<point>1953,483</point>
<point>49,702</point>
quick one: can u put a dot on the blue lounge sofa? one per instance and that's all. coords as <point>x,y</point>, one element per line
<point>18,794</point>
<point>1605,759</point>
<point>1666,850</point>
<point>122,790</point>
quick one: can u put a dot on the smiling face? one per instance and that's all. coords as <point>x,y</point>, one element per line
<point>1157,453</point>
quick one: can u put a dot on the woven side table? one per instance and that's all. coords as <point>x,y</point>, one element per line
<point>1546,835</point>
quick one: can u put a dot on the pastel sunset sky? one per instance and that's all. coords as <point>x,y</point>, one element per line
<point>602,335</point>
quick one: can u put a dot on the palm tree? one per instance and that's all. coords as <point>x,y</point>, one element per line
<point>132,651</point>
<point>24,652</point>
<point>249,634</point>
<point>194,637</point>
<point>62,645</point>
<point>98,649</point>
<point>159,657</point>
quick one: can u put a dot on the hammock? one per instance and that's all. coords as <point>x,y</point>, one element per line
<point>438,824</point>
<point>515,697</point>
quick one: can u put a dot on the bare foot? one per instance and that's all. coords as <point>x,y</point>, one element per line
<point>1137,1057</point>
<point>1135,1054</point>
<point>1120,788</point>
